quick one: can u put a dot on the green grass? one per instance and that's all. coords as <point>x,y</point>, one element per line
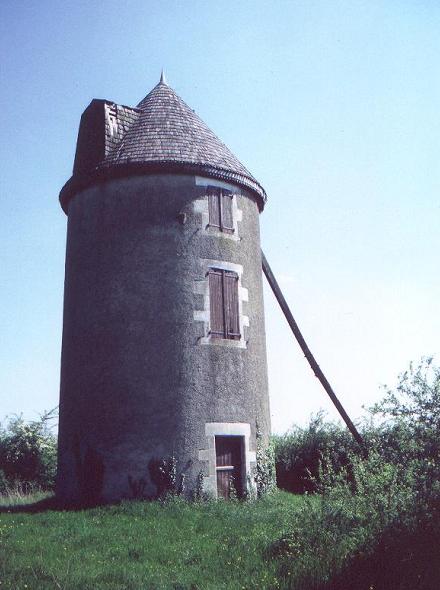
<point>146,545</point>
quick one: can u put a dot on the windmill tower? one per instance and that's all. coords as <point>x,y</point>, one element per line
<point>163,337</point>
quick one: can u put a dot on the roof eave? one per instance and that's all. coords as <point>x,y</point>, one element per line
<point>79,182</point>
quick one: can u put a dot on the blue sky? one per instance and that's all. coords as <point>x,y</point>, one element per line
<point>333,106</point>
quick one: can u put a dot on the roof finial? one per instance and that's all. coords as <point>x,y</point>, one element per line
<point>163,80</point>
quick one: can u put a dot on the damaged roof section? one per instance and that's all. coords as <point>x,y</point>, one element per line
<point>102,127</point>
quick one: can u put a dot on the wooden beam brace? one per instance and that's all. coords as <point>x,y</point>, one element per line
<point>307,353</point>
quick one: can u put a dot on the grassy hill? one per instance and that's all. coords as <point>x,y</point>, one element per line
<point>335,541</point>
<point>146,545</point>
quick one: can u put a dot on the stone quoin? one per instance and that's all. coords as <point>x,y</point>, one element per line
<point>163,350</point>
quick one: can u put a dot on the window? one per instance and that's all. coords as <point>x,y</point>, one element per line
<point>223,298</point>
<point>220,209</point>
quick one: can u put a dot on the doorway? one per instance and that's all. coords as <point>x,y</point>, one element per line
<point>229,465</point>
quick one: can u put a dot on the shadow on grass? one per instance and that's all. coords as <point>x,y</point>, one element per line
<point>49,503</point>
<point>401,560</point>
<point>53,504</point>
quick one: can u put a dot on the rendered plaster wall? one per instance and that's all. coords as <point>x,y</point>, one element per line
<point>139,381</point>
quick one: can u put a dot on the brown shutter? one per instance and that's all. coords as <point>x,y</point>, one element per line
<point>214,206</point>
<point>227,223</point>
<point>217,316</point>
<point>231,305</point>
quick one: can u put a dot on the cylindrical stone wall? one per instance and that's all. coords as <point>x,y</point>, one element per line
<point>140,379</point>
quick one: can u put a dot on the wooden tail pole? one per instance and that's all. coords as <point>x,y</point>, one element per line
<point>307,353</point>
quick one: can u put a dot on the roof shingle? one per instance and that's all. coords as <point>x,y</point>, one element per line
<point>167,134</point>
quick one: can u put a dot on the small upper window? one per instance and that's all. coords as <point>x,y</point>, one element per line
<point>220,209</point>
<point>223,298</point>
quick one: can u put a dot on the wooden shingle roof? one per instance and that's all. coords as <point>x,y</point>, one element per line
<point>166,135</point>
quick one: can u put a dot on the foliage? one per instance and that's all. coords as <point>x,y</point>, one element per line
<point>298,453</point>
<point>28,453</point>
<point>411,415</point>
<point>163,473</point>
<point>403,427</point>
<point>345,526</point>
<point>409,434</point>
<point>264,475</point>
<point>360,530</point>
<point>199,493</point>
<point>415,402</point>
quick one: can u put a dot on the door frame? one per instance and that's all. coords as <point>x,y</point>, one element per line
<point>208,455</point>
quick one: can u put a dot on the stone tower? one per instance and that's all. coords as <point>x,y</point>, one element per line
<point>163,338</point>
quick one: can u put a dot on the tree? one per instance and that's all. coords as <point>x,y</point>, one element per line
<point>416,399</point>
<point>411,412</point>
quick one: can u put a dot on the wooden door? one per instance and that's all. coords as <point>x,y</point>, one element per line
<point>229,465</point>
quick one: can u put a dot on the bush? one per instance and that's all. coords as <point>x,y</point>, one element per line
<point>336,533</point>
<point>28,453</point>
<point>298,453</point>
<point>402,428</point>
<point>375,522</point>
<point>410,414</point>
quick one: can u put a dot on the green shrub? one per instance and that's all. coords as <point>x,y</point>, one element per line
<point>375,522</point>
<point>264,473</point>
<point>403,427</point>
<point>298,453</point>
<point>28,453</point>
<point>352,517</point>
<point>410,415</point>
<point>163,473</point>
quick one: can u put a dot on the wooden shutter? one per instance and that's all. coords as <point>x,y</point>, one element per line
<point>226,219</point>
<point>214,207</point>
<point>223,303</point>
<point>231,305</point>
<point>217,316</point>
<point>220,209</point>
<point>228,450</point>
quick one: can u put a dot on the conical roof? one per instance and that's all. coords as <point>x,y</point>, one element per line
<point>167,135</point>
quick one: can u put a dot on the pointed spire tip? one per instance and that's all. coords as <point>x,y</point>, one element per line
<point>163,80</point>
